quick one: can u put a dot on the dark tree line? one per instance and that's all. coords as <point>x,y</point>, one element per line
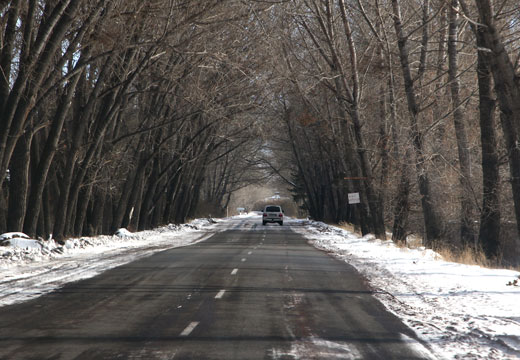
<point>397,100</point>
<point>137,113</point>
<point>111,112</point>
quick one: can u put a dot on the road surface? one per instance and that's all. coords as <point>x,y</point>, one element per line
<point>250,292</point>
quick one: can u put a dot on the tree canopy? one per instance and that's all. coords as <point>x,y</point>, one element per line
<point>138,113</point>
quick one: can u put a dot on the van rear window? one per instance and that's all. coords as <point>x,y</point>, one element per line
<point>273,209</point>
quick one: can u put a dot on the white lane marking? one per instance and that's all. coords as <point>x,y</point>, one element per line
<point>243,259</point>
<point>249,253</point>
<point>234,272</point>
<point>189,328</point>
<point>220,294</point>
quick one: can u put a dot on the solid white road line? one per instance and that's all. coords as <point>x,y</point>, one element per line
<point>189,328</point>
<point>234,272</point>
<point>220,294</point>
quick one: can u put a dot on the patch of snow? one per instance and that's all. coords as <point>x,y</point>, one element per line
<point>200,223</point>
<point>11,235</point>
<point>23,243</point>
<point>123,233</point>
<point>316,349</point>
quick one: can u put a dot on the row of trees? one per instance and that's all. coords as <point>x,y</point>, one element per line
<point>397,100</point>
<point>112,112</point>
<point>133,113</point>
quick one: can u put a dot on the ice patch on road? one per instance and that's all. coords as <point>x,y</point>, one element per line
<point>314,348</point>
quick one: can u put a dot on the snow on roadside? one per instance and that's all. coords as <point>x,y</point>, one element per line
<point>31,268</point>
<point>462,311</point>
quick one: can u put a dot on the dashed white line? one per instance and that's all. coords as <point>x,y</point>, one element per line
<point>243,259</point>
<point>220,294</point>
<point>249,253</point>
<point>234,272</point>
<point>189,328</point>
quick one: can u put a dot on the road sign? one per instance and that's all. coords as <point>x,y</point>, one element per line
<point>353,198</point>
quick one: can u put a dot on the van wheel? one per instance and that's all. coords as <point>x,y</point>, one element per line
<point>281,223</point>
<point>263,223</point>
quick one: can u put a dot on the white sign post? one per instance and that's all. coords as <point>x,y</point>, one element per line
<point>353,198</point>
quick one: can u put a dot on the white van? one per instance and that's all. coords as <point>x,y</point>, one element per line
<point>272,214</point>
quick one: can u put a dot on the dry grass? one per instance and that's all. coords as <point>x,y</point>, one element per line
<point>413,242</point>
<point>348,227</point>
<point>467,256</point>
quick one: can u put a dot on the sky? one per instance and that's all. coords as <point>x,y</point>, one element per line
<point>460,311</point>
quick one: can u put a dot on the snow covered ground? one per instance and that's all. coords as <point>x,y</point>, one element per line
<point>31,268</point>
<point>462,312</point>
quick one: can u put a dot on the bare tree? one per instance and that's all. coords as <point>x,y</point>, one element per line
<point>466,212</point>
<point>507,89</point>
<point>431,215</point>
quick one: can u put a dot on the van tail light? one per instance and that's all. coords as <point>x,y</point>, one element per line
<point>265,214</point>
<point>280,215</point>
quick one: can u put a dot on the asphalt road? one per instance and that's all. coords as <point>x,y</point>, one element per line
<point>252,292</point>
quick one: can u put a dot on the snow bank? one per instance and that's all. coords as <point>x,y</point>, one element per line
<point>462,311</point>
<point>31,268</point>
<point>23,243</point>
<point>12,235</point>
<point>123,233</point>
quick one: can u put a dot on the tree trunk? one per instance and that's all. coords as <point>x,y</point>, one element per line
<point>431,216</point>
<point>172,186</point>
<point>467,232</point>
<point>3,209</point>
<point>402,207</point>
<point>437,107</point>
<point>19,183</point>
<point>134,211</point>
<point>508,94</point>
<point>44,164</point>
<point>146,207</point>
<point>83,201</point>
<point>128,195</point>
<point>374,200</point>
<point>402,203</point>
<point>489,233</point>
<point>96,220</point>
<point>6,52</point>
